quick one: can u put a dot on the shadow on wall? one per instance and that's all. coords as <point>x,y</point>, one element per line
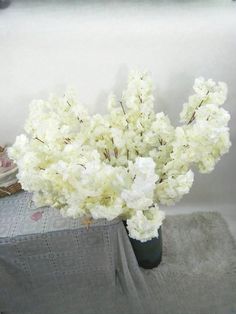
<point>4,4</point>
<point>169,105</point>
<point>175,85</point>
<point>120,83</point>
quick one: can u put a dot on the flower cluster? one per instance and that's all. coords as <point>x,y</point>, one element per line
<point>125,163</point>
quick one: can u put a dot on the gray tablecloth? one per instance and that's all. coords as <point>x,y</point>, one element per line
<point>56,265</point>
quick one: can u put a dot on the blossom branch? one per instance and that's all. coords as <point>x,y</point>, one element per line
<point>82,166</point>
<point>107,154</point>
<point>194,114</point>
<point>140,99</point>
<point>123,109</point>
<point>67,140</point>
<point>38,139</point>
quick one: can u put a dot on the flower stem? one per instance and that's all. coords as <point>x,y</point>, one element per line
<point>36,138</point>
<point>193,115</point>
<point>123,109</point>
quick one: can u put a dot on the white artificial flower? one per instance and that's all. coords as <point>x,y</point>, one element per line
<point>173,188</point>
<point>161,130</point>
<point>207,92</point>
<point>108,212</point>
<point>213,114</point>
<point>144,225</point>
<point>140,194</point>
<point>16,151</point>
<point>216,93</point>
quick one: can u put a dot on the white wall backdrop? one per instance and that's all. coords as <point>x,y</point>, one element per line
<point>92,46</point>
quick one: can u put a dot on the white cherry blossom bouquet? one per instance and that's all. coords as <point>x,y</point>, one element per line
<point>125,163</point>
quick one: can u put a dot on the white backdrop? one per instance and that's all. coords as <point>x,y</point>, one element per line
<point>45,47</point>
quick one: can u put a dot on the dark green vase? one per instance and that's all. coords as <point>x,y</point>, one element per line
<point>149,253</point>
